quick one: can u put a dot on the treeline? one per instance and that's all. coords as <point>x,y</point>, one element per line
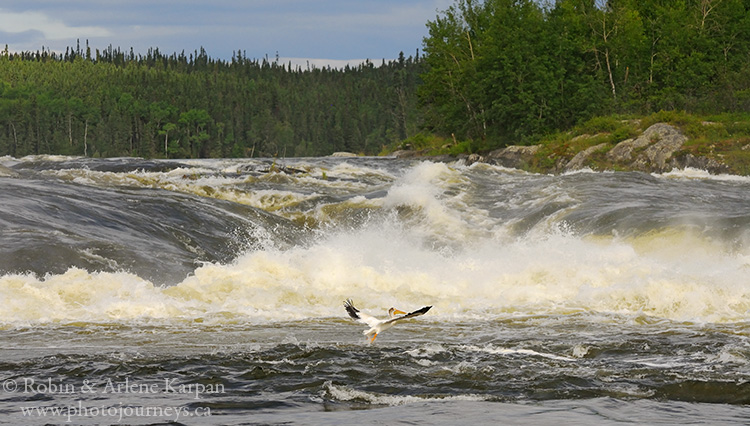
<point>501,71</point>
<point>116,103</point>
<point>494,72</point>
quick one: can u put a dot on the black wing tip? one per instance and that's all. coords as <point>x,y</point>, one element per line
<point>349,306</point>
<point>423,310</point>
<point>412,314</point>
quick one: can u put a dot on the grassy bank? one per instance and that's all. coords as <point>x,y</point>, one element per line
<point>723,137</point>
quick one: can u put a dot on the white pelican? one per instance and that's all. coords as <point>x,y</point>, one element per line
<point>378,326</point>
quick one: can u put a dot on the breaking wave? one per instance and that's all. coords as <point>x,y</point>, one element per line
<point>475,242</point>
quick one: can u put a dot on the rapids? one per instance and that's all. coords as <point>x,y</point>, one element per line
<point>611,289</point>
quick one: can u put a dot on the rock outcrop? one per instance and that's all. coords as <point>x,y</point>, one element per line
<point>474,158</point>
<point>658,149</point>
<point>704,163</point>
<point>651,151</point>
<point>579,161</point>
<point>406,153</point>
<point>513,156</point>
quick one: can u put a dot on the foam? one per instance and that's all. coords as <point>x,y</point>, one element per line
<point>219,180</point>
<point>379,268</point>
<point>431,245</point>
<point>494,350</point>
<point>691,173</point>
<point>346,393</point>
<point>438,195</point>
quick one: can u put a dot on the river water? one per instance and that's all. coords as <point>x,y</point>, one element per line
<point>211,292</point>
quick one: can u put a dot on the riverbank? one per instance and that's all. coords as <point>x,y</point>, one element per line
<point>656,143</point>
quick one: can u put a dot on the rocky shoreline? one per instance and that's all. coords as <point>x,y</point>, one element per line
<point>658,149</point>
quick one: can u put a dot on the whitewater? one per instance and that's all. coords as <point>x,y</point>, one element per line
<point>587,297</point>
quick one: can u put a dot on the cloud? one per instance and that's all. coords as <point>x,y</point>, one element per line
<point>335,29</point>
<point>52,29</point>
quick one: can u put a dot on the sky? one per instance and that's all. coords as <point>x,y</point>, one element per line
<point>323,32</point>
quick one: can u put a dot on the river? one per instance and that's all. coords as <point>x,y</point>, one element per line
<point>211,292</point>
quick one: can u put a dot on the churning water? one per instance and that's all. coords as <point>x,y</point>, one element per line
<point>210,292</point>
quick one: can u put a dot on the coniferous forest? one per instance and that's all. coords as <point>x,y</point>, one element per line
<point>113,103</point>
<point>493,71</point>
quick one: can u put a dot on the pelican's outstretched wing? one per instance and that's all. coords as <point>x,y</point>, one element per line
<point>360,316</point>
<point>411,314</point>
<point>377,326</point>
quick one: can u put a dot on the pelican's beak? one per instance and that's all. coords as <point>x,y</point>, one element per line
<point>393,312</point>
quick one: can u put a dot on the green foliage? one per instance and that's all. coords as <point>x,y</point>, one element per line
<point>738,128</point>
<point>464,147</point>
<point>604,124</point>
<point>432,144</point>
<point>115,104</point>
<point>622,133</point>
<point>514,70</point>
<point>616,127</point>
<point>495,72</point>
<point>678,118</point>
<point>426,143</point>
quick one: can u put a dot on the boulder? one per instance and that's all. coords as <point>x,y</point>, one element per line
<point>444,158</point>
<point>623,151</point>
<point>651,151</point>
<point>513,156</point>
<point>670,141</point>
<point>704,163</point>
<point>404,153</point>
<point>474,158</point>
<point>577,162</point>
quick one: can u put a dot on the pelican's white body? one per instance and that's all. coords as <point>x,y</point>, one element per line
<point>378,326</point>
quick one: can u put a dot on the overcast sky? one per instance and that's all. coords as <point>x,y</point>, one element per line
<point>336,30</point>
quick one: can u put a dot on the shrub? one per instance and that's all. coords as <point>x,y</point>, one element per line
<point>596,125</point>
